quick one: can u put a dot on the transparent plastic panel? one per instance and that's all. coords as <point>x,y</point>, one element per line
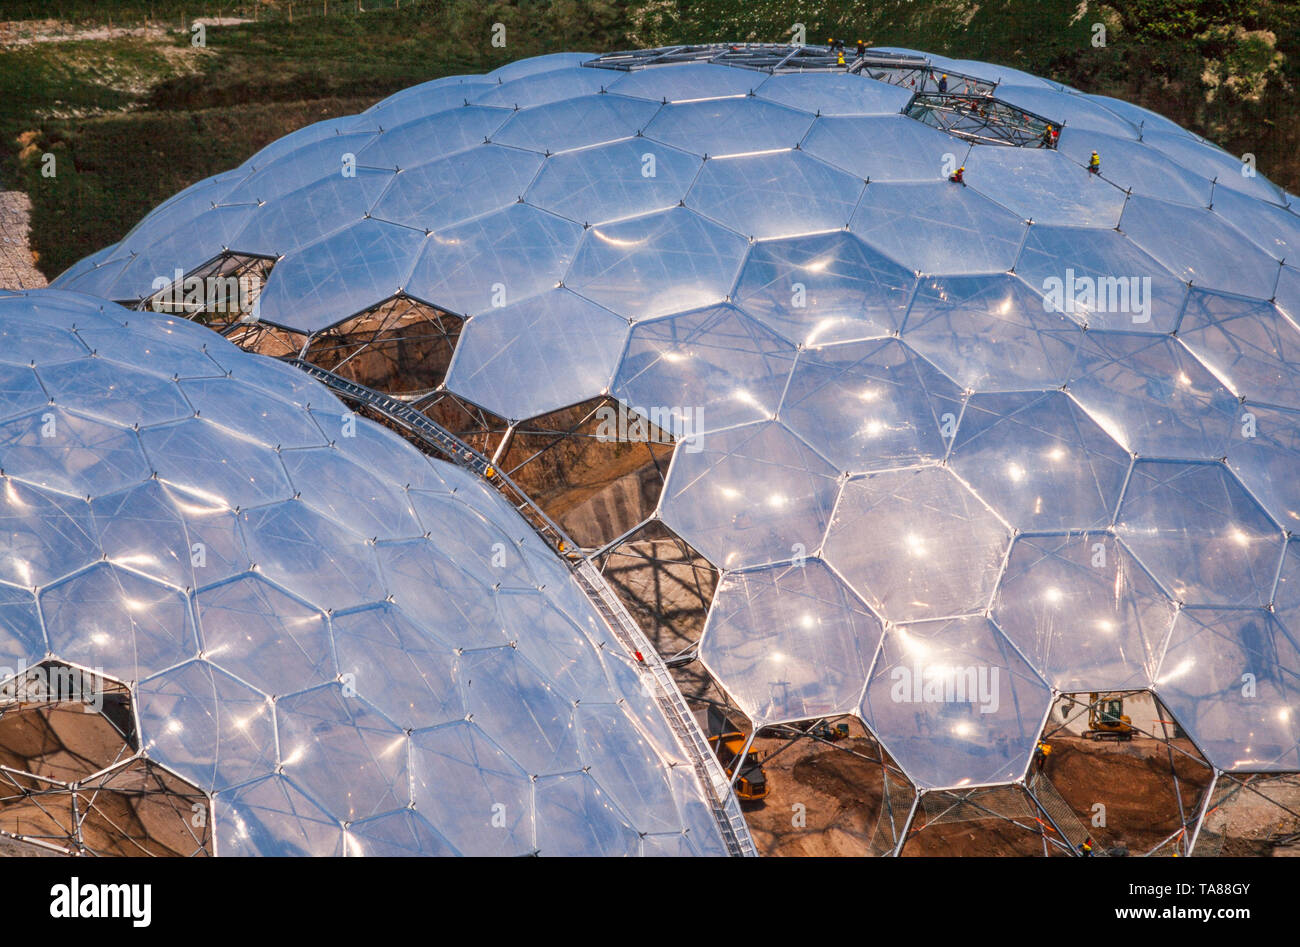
<point>660,263</point>
<point>273,818</point>
<point>265,637</point>
<point>537,64</point>
<point>396,835</point>
<point>1248,344</point>
<point>300,217</point>
<point>71,454</point>
<point>954,703</point>
<point>871,405</point>
<point>824,288</point>
<point>1213,162</point>
<point>1248,727</point>
<point>935,548</point>
<point>1039,460</point>
<point>790,642</point>
<point>46,534</point>
<point>895,148</point>
<point>1132,165</point>
<point>115,393</point>
<point>1144,119</point>
<point>312,556</point>
<point>237,472</point>
<point>835,94</point>
<point>296,168</point>
<point>159,352</point>
<point>685,83</point>
<point>749,495</point>
<point>1263,454</point>
<point>1083,611</point>
<point>1275,230</point>
<point>553,644</point>
<point>398,665</point>
<point>491,813</point>
<point>539,88</point>
<point>139,528</point>
<point>728,126</point>
<point>112,619</point>
<point>426,99</point>
<point>1102,280</point>
<point>482,549</point>
<point>325,131</point>
<point>939,228</point>
<point>207,726</point>
<point>22,642</point>
<point>622,179</point>
<point>703,371</point>
<point>1199,246</point>
<point>494,260</point>
<point>991,333</point>
<point>627,768</point>
<point>576,123</point>
<point>538,355</point>
<point>1200,534</point>
<point>1152,396</point>
<point>247,411</point>
<point>349,492</point>
<point>447,191</point>
<point>1045,187</point>
<point>431,139</point>
<point>423,580</point>
<point>324,283</point>
<point>576,817</point>
<point>497,684</point>
<point>343,753</point>
<point>775,195</point>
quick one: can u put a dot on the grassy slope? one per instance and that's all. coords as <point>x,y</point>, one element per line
<point>154,119</point>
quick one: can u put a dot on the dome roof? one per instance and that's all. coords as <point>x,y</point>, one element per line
<point>1043,425</point>
<point>344,645</point>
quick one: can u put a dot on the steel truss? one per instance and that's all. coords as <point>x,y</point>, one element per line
<point>961,105</point>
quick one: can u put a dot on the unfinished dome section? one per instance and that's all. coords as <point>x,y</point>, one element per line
<point>1035,418</point>
<point>304,635</point>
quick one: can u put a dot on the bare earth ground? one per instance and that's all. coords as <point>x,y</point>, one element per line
<point>17,266</point>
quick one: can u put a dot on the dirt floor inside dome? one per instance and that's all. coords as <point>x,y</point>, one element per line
<point>840,798</point>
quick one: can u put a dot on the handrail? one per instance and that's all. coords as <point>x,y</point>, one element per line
<point>650,666</point>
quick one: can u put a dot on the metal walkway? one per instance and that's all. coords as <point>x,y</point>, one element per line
<point>726,809</point>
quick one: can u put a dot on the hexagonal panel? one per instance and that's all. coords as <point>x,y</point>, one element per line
<point>1248,344</point>
<point>718,127</point>
<point>790,642</point>
<point>1201,535</point>
<point>917,544</point>
<point>749,495</point>
<point>1083,611</point>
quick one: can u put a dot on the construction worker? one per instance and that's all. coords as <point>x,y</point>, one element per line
<point>1085,849</point>
<point>1047,137</point>
<point>1094,163</point>
<point>943,83</point>
<point>958,176</point>
<point>839,58</point>
<point>862,49</point>
<point>1041,752</point>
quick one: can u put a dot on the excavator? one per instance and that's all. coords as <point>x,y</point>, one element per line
<point>752,784</point>
<point>1106,719</point>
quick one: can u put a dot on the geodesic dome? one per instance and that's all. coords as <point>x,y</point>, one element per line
<point>343,646</point>
<point>1042,426</point>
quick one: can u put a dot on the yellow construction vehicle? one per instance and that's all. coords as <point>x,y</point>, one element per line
<point>1106,719</point>
<point>752,784</point>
